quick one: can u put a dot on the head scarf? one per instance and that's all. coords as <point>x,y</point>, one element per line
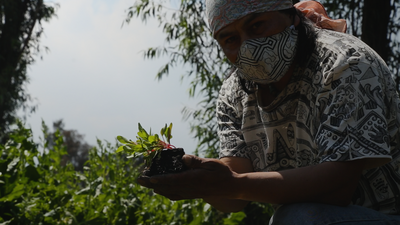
<point>221,13</point>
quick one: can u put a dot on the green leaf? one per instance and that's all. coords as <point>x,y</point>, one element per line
<point>142,132</point>
<point>84,190</point>
<point>234,218</point>
<point>122,140</point>
<point>51,213</point>
<point>137,148</point>
<point>12,164</point>
<point>169,136</point>
<point>32,173</point>
<point>154,139</point>
<point>16,193</point>
<point>7,222</point>
<point>162,132</point>
<point>128,148</point>
<point>120,149</point>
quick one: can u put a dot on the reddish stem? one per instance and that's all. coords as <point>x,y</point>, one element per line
<point>167,145</point>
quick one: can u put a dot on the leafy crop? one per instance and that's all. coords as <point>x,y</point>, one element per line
<point>147,144</point>
<point>36,189</point>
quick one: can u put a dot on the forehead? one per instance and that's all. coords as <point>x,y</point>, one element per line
<point>230,28</point>
<point>243,23</point>
<point>221,13</point>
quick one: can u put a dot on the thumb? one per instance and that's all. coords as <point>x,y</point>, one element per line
<point>192,161</point>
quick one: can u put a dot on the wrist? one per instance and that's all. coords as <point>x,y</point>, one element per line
<point>238,185</point>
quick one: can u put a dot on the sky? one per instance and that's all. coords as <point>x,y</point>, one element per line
<point>96,80</point>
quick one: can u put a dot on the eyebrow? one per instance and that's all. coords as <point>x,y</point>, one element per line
<point>251,18</point>
<point>225,34</point>
<point>248,20</point>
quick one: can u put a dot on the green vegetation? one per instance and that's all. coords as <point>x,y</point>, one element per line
<point>36,188</point>
<point>20,32</point>
<point>60,181</point>
<point>147,145</point>
<point>64,180</point>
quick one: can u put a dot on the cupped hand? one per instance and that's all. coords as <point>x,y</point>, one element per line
<point>204,178</point>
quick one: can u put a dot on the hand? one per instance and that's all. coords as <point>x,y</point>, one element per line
<point>204,178</point>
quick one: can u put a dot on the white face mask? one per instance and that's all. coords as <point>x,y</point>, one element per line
<point>266,60</point>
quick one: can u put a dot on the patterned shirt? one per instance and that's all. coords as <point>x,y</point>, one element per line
<point>342,106</point>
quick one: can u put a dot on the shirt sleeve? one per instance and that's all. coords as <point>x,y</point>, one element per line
<point>229,119</point>
<point>355,114</point>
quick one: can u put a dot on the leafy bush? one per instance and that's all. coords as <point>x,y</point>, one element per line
<point>36,189</point>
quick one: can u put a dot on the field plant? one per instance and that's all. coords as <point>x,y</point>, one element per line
<point>36,189</point>
<point>147,145</point>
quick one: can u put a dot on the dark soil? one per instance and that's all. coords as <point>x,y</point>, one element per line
<point>170,161</point>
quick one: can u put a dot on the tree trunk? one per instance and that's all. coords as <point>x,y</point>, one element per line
<point>375,24</point>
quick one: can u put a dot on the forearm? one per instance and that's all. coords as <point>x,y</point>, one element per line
<point>330,183</point>
<point>224,186</point>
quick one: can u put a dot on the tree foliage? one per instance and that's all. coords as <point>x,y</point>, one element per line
<point>188,43</point>
<point>75,145</point>
<point>20,30</point>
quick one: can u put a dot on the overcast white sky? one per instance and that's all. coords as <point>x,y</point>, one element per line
<point>96,80</point>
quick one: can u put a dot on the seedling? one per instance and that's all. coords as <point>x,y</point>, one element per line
<point>152,148</point>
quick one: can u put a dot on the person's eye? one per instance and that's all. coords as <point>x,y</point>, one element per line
<point>231,40</point>
<point>257,28</point>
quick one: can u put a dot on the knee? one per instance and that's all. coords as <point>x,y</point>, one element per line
<point>315,213</point>
<point>299,213</point>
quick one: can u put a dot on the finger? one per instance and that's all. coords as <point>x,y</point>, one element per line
<point>185,192</point>
<point>145,182</point>
<point>173,197</point>
<point>192,161</point>
<point>162,179</point>
<point>170,179</point>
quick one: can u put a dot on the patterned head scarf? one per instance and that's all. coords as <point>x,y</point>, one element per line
<point>221,13</point>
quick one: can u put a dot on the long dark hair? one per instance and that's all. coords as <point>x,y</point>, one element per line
<point>305,46</point>
<point>306,39</point>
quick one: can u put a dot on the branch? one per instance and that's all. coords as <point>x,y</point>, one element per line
<point>34,18</point>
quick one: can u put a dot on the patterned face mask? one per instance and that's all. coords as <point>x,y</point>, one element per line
<point>266,60</point>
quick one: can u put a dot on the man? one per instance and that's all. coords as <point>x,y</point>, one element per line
<point>308,120</point>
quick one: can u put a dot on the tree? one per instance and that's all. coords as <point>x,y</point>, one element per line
<point>76,147</point>
<point>20,31</point>
<point>189,43</point>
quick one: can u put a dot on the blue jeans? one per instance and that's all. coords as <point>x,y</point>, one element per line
<point>322,214</point>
